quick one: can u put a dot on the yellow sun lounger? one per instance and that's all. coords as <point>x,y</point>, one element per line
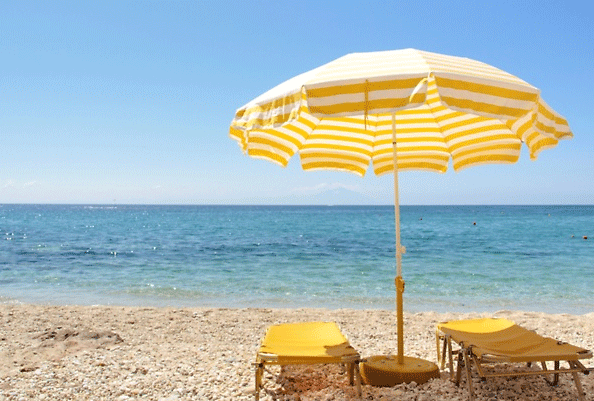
<point>485,341</point>
<point>306,344</point>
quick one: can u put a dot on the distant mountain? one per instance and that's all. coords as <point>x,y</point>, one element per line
<point>331,196</point>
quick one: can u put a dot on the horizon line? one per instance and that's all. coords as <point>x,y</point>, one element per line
<point>285,204</point>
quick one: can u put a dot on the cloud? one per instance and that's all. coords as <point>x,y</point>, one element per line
<point>12,184</point>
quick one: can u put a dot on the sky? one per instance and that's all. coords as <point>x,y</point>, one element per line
<point>125,102</point>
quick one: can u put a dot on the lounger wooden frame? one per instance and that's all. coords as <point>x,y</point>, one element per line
<point>334,355</point>
<point>466,357</point>
<point>351,363</point>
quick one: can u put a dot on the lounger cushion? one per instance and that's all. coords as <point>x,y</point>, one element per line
<point>502,339</point>
<point>306,343</point>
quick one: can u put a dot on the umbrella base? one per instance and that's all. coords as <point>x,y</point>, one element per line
<point>384,370</point>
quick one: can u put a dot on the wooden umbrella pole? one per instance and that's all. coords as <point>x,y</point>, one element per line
<point>399,282</point>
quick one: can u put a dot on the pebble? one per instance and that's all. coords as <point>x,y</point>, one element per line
<point>207,354</point>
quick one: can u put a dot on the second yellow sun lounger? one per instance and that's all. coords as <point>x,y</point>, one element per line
<point>306,344</point>
<point>484,341</point>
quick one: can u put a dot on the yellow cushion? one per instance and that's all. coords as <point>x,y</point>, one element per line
<point>503,339</point>
<point>311,342</point>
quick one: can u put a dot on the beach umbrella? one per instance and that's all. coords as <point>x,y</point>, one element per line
<point>398,110</point>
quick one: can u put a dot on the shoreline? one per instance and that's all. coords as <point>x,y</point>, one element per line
<point>412,305</point>
<point>51,352</point>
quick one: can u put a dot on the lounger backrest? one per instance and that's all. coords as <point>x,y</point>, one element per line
<point>502,338</point>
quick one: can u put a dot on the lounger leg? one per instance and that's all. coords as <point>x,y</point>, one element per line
<point>556,375</point>
<point>355,377</point>
<point>577,381</point>
<point>441,350</point>
<point>468,377</point>
<point>545,369</point>
<point>578,384</point>
<point>451,358</point>
<point>459,368</point>
<point>259,373</point>
<point>351,367</point>
<point>358,380</point>
<point>443,354</point>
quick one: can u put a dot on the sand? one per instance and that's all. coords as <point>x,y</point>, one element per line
<point>126,353</point>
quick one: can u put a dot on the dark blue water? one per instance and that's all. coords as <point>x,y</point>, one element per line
<point>515,257</point>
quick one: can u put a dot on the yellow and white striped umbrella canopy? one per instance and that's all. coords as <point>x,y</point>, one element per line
<point>339,116</point>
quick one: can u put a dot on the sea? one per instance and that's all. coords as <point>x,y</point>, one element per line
<point>457,259</point>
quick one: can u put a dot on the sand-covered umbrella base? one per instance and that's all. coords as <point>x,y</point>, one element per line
<point>384,370</point>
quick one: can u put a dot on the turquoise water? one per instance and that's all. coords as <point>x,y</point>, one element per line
<point>515,257</point>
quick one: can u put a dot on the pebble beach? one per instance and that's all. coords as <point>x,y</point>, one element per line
<point>134,353</point>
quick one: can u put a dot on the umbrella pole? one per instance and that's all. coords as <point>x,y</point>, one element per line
<point>385,370</point>
<point>399,282</point>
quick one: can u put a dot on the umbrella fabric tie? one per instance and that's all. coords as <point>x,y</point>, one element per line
<point>399,281</point>
<point>418,87</point>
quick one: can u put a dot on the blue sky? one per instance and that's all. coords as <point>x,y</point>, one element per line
<point>130,102</point>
